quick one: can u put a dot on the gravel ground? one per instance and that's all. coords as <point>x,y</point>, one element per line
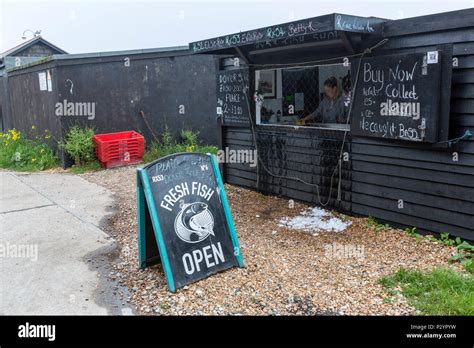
<point>287,271</point>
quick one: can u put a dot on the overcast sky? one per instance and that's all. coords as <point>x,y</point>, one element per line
<point>92,26</point>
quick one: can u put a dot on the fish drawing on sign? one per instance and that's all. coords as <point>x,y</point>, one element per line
<point>194,222</point>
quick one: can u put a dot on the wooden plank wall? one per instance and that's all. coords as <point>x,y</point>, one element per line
<point>309,155</point>
<point>437,192</point>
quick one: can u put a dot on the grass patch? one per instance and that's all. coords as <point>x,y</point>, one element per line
<point>464,255</point>
<point>465,251</point>
<point>468,265</point>
<point>22,154</point>
<point>441,291</point>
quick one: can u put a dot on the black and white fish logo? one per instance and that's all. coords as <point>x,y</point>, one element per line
<point>194,222</point>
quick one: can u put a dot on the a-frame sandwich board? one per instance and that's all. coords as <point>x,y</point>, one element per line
<point>184,219</point>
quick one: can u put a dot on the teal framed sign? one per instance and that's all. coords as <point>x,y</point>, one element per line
<point>184,219</point>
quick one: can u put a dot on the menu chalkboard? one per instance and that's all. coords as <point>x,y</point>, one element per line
<point>398,97</point>
<point>232,91</point>
<point>191,227</point>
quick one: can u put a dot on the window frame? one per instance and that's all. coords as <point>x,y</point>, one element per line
<point>342,127</point>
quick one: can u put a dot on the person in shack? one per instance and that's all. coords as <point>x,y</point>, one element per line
<point>334,106</point>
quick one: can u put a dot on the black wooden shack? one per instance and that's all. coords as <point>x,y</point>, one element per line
<point>409,171</point>
<point>143,90</point>
<point>27,52</point>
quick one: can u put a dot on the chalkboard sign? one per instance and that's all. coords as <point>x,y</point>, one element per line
<point>184,220</point>
<point>398,97</point>
<point>232,91</point>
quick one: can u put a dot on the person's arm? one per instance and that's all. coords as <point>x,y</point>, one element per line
<point>316,114</point>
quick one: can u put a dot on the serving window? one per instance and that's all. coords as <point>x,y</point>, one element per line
<point>313,96</point>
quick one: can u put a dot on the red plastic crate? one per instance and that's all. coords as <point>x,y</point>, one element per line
<point>119,149</point>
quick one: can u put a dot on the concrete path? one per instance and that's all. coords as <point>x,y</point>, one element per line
<point>49,234</point>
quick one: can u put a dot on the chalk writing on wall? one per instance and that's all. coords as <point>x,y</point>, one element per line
<point>232,89</point>
<point>300,39</point>
<point>357,24</point>
<point>305,30</point>
<point>288,30</point>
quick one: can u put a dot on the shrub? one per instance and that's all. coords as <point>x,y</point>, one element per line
<point>20,153</point>
<point>79,145</point>
<point>189,143</point>
<point>167,137</point>
<point>189,137</point>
